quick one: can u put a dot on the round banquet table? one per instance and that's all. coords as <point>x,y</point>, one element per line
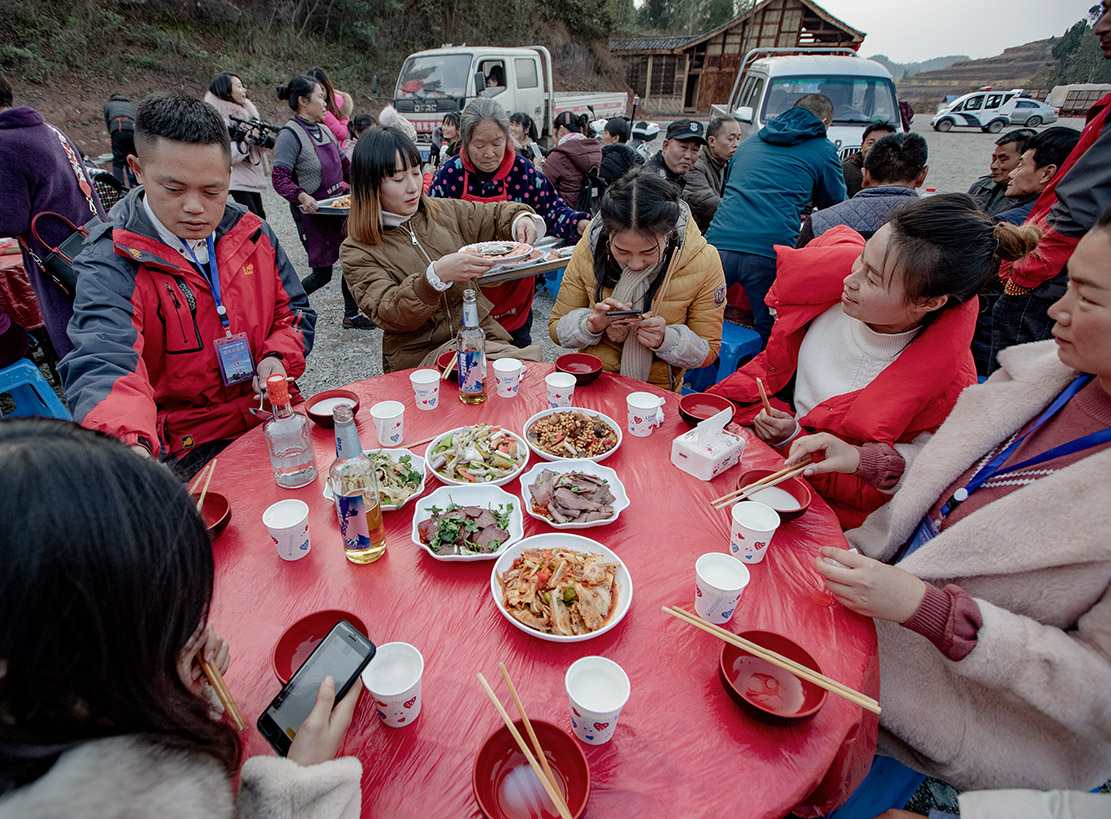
<point>682,747</point>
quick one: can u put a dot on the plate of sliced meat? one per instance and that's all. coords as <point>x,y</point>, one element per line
<point>467,523</point>
<point>573,494</point>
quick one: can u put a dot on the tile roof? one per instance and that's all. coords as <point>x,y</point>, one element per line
<point>650,43</point>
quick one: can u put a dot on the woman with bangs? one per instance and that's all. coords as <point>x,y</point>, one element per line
<point>401,257</point>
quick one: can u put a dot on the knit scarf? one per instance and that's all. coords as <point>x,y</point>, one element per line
<point>631,288</point>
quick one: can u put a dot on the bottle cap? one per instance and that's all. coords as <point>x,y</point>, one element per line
<point>277,389</point>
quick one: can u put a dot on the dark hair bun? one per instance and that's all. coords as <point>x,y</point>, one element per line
<point>283,92</point>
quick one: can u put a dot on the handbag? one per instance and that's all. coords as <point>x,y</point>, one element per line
<point>58,264</point>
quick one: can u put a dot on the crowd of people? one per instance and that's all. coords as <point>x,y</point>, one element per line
<point>974,508</point>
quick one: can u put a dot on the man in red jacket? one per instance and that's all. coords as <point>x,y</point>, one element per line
<point>185,303</point>
<point>1067,208</point>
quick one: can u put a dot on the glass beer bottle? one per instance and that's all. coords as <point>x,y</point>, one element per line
<point>287,439</point>
<point>355,487</point>
<point>470,347</point>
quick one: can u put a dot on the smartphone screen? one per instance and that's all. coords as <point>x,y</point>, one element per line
<point>343,654</point>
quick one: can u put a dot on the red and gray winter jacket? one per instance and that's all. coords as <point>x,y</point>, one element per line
<point>144,367</point>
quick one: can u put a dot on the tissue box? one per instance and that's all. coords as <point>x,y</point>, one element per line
<point>708,456</point>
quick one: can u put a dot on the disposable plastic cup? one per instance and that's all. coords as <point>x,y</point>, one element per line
<point>393,679</point>
<point>288,523</point>
<point>389,422</point>
<point>646,412</point>
<point>507,376</point>
<point>754,525</point>
<point>426,388</point>
<point>719,581</point>
<point>561,389</point>
<point>597,690</point>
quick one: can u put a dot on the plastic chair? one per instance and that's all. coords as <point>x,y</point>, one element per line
<point>889,784</point>
<point>31,392</point>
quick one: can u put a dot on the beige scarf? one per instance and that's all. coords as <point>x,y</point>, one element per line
<point>636,359</point>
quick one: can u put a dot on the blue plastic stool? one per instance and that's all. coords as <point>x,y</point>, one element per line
<point>554,280</point>
<point>889,784</point>
<point>736,343</point>
<point>31,392</point>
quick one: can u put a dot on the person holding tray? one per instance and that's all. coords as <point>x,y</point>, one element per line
<point>402,258</point>
<point>644,257</point>
<point>488,170</point>
<point>309,166</point>
<point>989,572</point>
<point>111,714</point>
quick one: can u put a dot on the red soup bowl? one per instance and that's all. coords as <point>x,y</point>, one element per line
<point>698,406</point>
<point>506,787</point>
<point>216,512</point>
<point>797,488</point>
<point>767,692</point>
<point>445,360</point>
<point>298,641</point>
<point>319,407</point>
<point>584,366</point>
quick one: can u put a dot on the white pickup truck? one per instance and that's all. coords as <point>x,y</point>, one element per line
<point>434,82</point>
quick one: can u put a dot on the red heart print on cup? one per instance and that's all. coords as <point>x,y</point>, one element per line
<point>637,420</point>
<point>409,703</point>
<point>601,726</point>
<point>759,544</point>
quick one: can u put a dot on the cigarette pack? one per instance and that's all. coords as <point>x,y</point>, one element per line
<point>708,450</point>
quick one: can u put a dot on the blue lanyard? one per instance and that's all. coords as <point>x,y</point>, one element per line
<point>213,278</point>
<point>994,466</point>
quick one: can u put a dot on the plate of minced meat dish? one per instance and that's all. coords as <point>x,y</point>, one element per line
<point>467,523</point>
<point>572,433</point>
<point>573,494</point>
<point>561,587</point>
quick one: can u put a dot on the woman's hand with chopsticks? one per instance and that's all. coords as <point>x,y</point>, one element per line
<point>320,735</point>
<point>870,587</point>
<point>828,453</point>
<point>774,427</point>
<point>215,651</point>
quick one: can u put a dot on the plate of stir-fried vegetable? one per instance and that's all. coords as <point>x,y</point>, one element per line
<point>482,453</point>
<point>401,475</point>
<point>562,588</point>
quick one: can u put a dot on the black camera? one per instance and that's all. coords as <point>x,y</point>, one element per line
<point>248,132</point>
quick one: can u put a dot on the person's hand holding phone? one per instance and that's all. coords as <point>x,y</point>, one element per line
<point>322,732</point>
<point>215,651</point>
<point>600,320</point>
<point>650,331</point>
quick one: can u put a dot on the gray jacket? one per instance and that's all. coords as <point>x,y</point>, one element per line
<point>865,213</point>
<point>705,184</point>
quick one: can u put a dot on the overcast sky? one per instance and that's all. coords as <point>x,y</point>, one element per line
<point>915,30</point>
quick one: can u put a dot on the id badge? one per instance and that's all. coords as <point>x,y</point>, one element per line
<point>234,356</point>
<point>927,530</point>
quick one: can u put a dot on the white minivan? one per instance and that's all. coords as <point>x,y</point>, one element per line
<point>992,111</point>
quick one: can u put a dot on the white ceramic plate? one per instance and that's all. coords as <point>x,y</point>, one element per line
<point>522,449</point>
<point>547,456</point>
<point>578,543</point>
<point>395,455</point>
<point>620,502</point>
<point>485,495</point>
<point>508,251</point>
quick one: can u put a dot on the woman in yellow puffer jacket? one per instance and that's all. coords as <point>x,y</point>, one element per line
<point>642,224</point>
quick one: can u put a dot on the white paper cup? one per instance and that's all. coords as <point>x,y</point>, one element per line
<point>507,376</point>
<point>597,689</point>
<point>718,582</point>
<point>389,422</point>
<point>561,389</point>
<point>393,679</point>
<point>288,522</point>
<point>426,388</point>
<point>645,413</point>
<point>754,525</point>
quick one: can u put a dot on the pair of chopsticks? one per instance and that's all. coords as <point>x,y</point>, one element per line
<point>675,253</point>
<point>798,669</point>
<point>544,774</point>
<point>206,473</point>
<point>449,368</point>
<point>784,474</point>
<point>216,680</point>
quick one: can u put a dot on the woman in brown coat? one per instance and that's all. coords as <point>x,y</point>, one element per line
<point>574,155</point>
<point>401,257</point>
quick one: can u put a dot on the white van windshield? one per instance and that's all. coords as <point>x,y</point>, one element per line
<point>855,99</point>
<point>443,75</point>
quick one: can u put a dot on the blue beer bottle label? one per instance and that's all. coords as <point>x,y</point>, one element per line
<point>472,372</point>
<point>351,510</point>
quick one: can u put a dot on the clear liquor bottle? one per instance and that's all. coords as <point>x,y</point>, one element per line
<point>287,439</point>
<point>358,504</point>
<point>470,347</point>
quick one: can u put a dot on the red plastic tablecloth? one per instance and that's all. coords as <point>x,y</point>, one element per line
<point>682,747</point>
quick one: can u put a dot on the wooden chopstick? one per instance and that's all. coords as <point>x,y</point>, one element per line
<point>549,788</point>
<point>199,477</point>
<point>675,254</point>
<point>216,679</point>
<point>764,396</point>
<point>448,369</point>
<point>766,654</point>
<point>767,481</point>
<point>424,441</point>
<point>207,480</point>
<point>528,727</point>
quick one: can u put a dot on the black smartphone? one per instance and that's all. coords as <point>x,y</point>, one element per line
<point>612,314</point>
<point>342,655</point>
